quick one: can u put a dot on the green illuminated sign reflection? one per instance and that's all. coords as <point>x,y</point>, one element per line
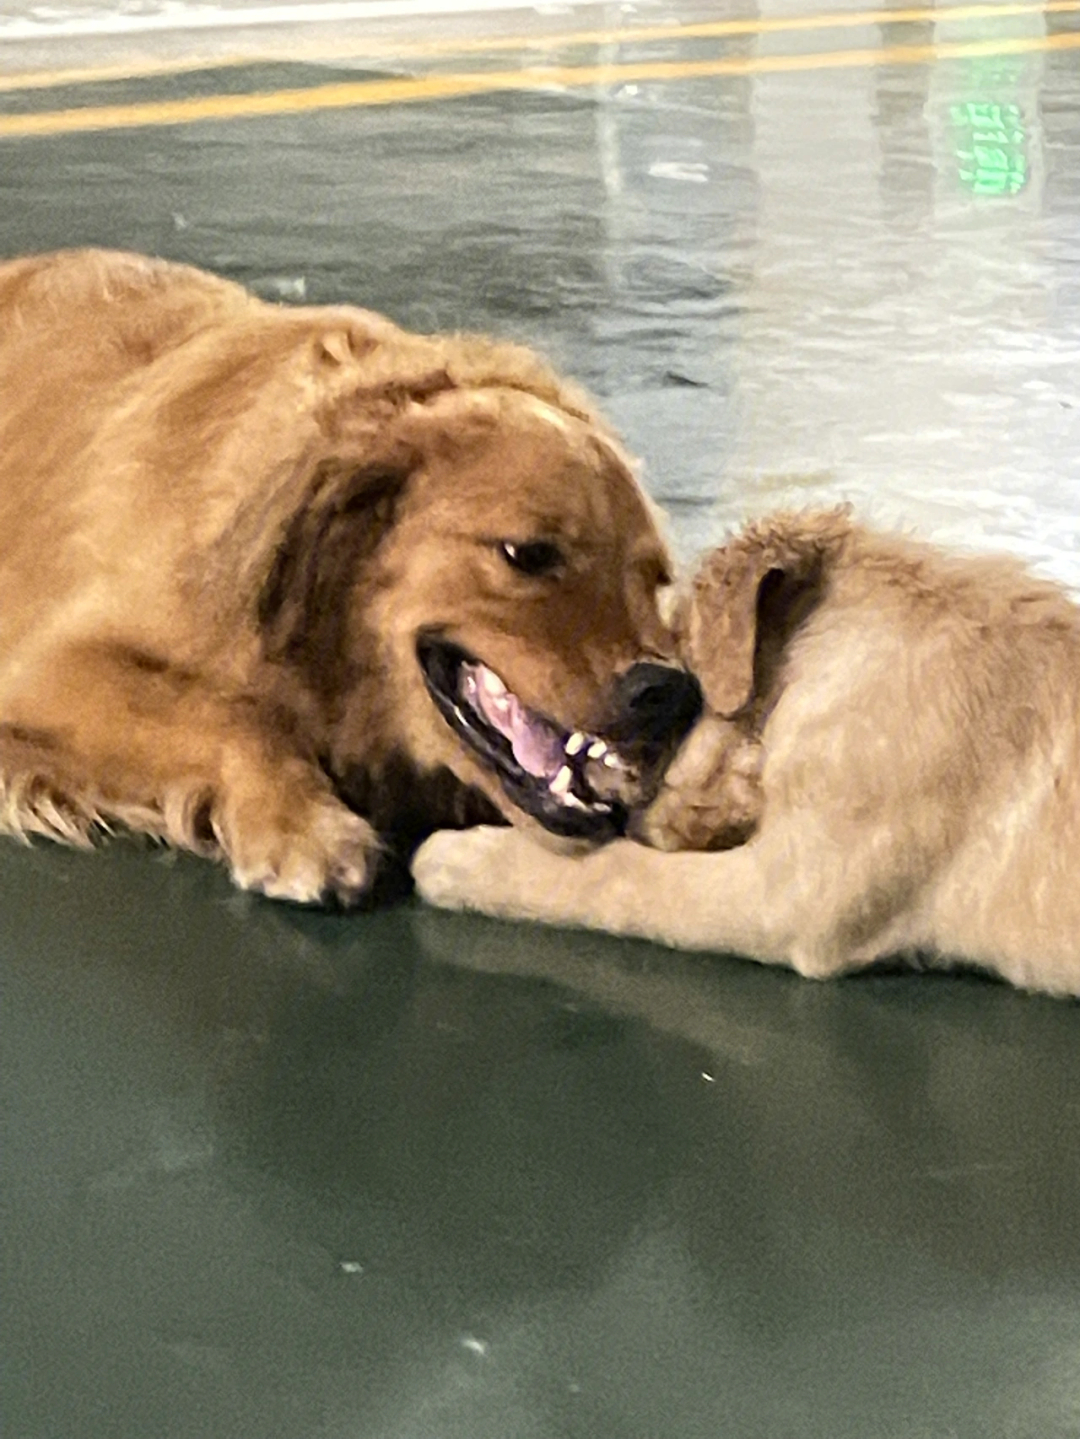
<point>991,147</point>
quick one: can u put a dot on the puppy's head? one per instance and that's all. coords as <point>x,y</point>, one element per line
<point>746,603</point>
<point>748,599</point>
<point>480,594</point>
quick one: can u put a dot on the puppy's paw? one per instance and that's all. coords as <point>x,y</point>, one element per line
<point>468,868</point>
<point>508,874</point>
<point>320,852</point>
<point>711,797</point>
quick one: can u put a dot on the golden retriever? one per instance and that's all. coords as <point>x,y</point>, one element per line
<point>292,586</point>
<point>889,761</point>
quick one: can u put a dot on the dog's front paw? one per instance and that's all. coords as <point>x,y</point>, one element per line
<point>319,852</point>
<point>466,868</point>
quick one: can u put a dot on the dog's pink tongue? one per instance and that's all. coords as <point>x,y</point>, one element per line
<point>537,748</point>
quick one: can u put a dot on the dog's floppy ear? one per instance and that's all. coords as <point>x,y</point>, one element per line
<point>749,597</point>
<point>367,371</point>
<point>302,608</point>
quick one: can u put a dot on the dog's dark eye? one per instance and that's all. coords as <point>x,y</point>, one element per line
<point>532,557</point>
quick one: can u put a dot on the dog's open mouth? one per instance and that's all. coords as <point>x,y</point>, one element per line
<point>573,783</point>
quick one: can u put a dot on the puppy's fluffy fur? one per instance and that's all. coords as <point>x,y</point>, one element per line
<point>226,526</point>
<point>890,763</point>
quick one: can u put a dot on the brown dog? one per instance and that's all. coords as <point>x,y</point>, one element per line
<point>272,580</point>
<point>890,761</point>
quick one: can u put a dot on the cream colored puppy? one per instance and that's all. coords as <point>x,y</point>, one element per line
<point>890,765</point>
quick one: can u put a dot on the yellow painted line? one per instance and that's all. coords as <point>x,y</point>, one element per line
<point>343,48</point>
<point>443,87</point>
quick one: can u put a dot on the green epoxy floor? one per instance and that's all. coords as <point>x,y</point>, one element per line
<point>277,1174</point>
<point>412,1176</point>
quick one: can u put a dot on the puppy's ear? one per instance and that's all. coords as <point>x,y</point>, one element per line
<point>303,603</point>
<point>749,597</point>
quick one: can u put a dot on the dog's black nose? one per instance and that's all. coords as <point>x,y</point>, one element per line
<point>656,703</point>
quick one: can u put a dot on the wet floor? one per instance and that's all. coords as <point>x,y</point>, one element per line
<point>276,1174</point>
<point>847,280</point>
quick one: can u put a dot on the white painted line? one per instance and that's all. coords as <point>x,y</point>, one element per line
<point>213,17</point>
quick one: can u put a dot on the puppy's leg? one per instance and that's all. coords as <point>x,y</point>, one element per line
<point>791,895</point>
<point>738,901</point>
<point>104,736</point>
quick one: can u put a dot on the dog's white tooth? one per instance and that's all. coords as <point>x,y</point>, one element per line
<point>575,743</point>
<point>561,783</point>
<point>612,760</point>
<point>597,748</point>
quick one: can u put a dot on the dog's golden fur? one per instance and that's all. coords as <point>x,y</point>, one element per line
<point>223,525</point>
<point>890,761</point>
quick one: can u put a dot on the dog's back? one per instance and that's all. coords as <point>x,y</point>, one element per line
<point>76,330</point>
<point>139,397</point>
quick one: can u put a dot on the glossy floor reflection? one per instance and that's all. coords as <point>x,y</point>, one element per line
<point>408,1176</point>
<point>270,1173</point>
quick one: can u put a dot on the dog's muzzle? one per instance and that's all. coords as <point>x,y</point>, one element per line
<point>654,705</point>
<point>572,781</point>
